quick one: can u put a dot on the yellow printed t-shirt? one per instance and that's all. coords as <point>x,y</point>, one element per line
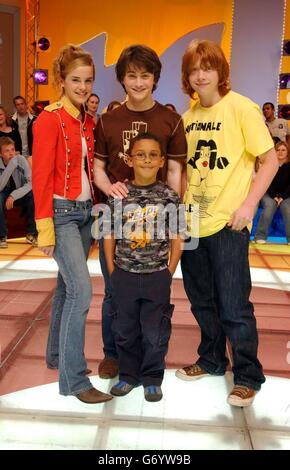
<point>223,141</point>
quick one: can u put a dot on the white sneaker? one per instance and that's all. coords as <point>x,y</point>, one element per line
<point>261,242</point>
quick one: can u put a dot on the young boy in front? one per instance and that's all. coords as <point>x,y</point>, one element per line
<point>225,133</point>
<point>137,260</point>
<point>138,70</point>
<point>15,189</point>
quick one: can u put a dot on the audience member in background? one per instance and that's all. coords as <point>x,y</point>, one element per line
<point>113,105</point>
<point>278,127</point>
<point>138,70</point>
<point>23,121</point>
<point>15,190</point>
<point>63,150</point>
<point>7,129</point>
<point>171,106</point>
<point>277,196</point>
<point>92,105</point>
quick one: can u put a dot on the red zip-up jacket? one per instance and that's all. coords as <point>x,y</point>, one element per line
<point>57,161</point>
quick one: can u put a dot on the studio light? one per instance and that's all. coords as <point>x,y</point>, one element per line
<point>43,44</point>
<point>40,76</point>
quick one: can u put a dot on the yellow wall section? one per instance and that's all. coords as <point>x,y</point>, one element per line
<point>285,63</point>
<point>157,23</point>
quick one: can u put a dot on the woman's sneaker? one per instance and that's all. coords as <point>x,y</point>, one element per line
<point>121,388</point>
<point>192,372</point>
<point>153,393</point>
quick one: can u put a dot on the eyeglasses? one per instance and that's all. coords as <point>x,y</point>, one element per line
<point>142,155</point>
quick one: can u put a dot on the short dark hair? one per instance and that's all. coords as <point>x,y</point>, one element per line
<point>113,104</point>
<point>145,136</point>
<point>93,94</point>
<point>268,102</point>
<point>141,57</point>
<point>18,97</point>
<point>171,106</point>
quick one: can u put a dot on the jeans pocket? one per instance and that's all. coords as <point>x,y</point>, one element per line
<point>165,325</point>
<point>244,232</point>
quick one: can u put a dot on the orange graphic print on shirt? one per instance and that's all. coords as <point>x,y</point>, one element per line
<point>142,221</point>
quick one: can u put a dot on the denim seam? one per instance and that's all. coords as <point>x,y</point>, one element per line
<point>50,345</point>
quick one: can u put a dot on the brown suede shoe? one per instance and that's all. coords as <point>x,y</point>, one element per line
<point>93,396</point>
<point>108,368</point>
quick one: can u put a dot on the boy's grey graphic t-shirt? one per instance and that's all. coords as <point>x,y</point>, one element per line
<point>142,224</point>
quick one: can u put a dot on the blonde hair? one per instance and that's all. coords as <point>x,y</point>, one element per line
<point>68,58</point>
<point>209,54</point>
<point>5,141</point>
<point>7,117</point>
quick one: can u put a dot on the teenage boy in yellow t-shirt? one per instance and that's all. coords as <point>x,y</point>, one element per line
<point>225,133</point>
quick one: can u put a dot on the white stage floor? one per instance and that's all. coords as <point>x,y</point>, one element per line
<point>192,415</point>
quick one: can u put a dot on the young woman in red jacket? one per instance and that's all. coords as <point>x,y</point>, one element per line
<point>62,185</point>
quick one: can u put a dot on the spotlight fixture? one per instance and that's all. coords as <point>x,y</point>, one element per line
<point>40,76</point>
<point>43,43</point>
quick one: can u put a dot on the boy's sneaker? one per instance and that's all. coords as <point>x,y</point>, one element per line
<point>32,239</point>
<point>241,396</point>
<point>261,241</point>
<point>121,388</point>
<point>3,242</point>
<point>192,372</point>
<point>153,393</point>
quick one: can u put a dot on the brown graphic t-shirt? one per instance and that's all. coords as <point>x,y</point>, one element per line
<point>116,128</point>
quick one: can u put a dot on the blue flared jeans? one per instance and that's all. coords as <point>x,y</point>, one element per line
<point>73,294</point>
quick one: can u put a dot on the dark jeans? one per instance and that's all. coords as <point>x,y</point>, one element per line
<point>142,324</point>
<point>107,308</point>
<point>217,281</point>
<point>27,205</point>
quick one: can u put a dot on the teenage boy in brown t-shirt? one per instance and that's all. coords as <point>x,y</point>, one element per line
<point>138,70</point>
